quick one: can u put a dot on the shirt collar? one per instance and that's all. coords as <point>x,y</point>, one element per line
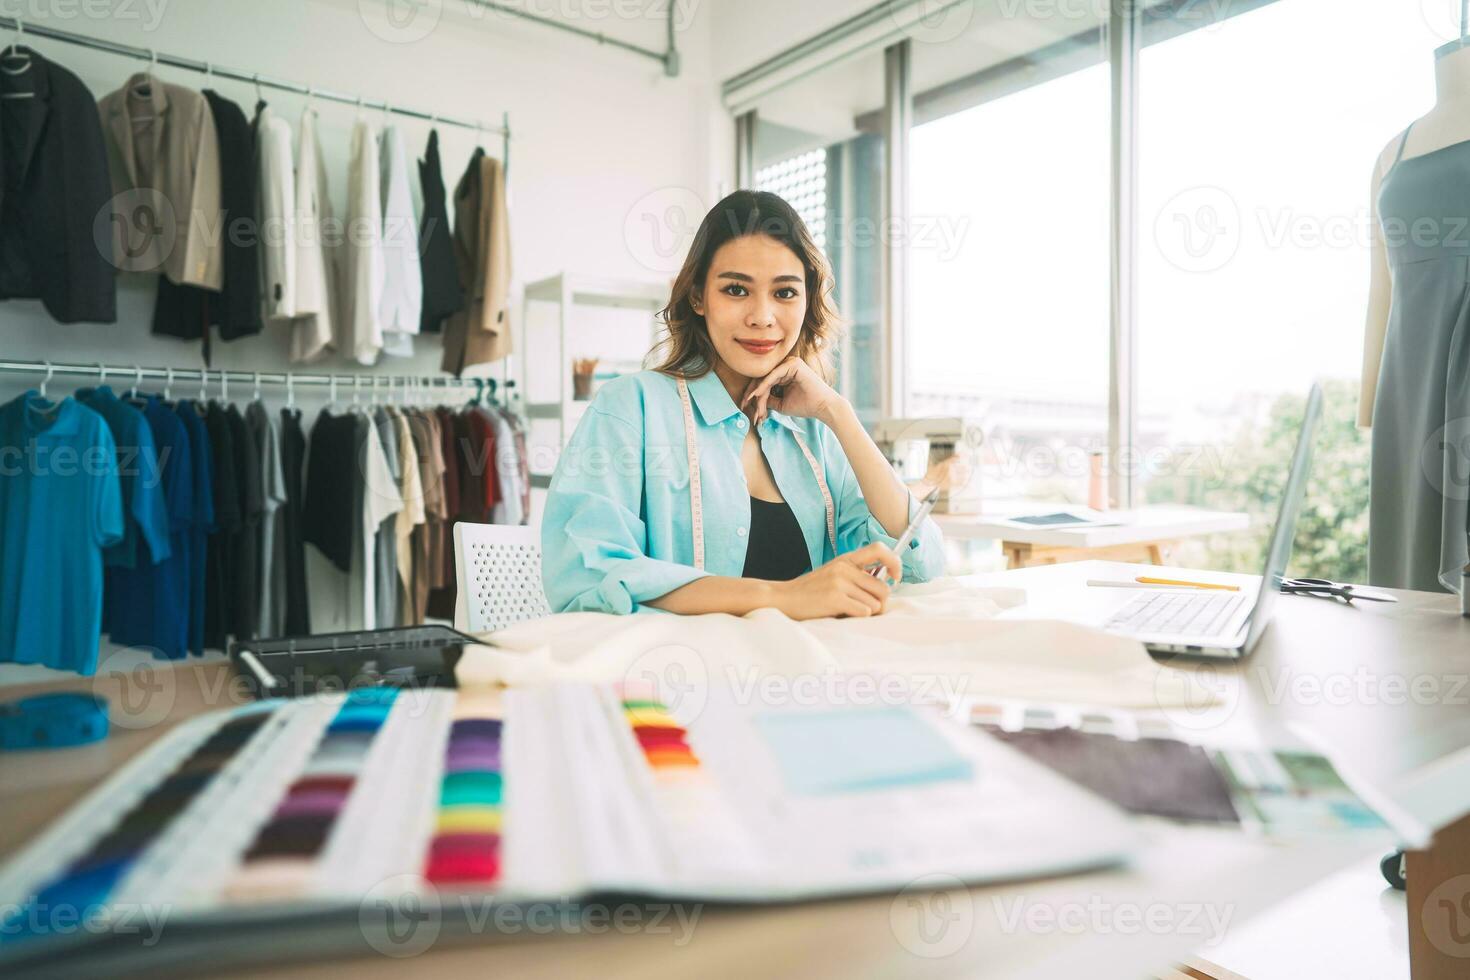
<point>715,404</point>
<point>47,418</point>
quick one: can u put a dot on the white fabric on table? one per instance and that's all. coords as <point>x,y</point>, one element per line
<point>940,636</point>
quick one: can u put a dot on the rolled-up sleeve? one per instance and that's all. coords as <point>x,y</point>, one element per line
<point>923,559</point>
<point>592,537</point>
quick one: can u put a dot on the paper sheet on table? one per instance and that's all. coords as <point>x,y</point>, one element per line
<point>942,635</point>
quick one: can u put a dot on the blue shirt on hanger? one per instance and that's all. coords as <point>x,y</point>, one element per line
<point>145,524</point>
<point>60,506</point>
<point>618,526</point>
<point>148,606</point>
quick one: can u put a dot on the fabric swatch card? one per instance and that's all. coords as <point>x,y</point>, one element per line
<point>858,750</point>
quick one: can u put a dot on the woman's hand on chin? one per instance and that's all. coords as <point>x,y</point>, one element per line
<point>802,393</point>
<point>842,587</point>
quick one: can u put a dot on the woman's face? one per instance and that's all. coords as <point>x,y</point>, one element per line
<point>754,303</point>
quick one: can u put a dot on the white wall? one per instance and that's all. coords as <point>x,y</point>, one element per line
<point>750,31</point>
<point>599,134</point>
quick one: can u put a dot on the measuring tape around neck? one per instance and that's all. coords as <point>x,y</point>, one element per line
<point>696,501</point>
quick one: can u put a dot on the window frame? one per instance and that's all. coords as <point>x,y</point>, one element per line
<point>1131,26</point>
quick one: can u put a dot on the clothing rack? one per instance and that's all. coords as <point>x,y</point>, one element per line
<point>353,383</point>
<point>155,57</point>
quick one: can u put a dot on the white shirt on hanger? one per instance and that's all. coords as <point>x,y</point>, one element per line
<point>381,499</point>
<point>361,327</point>
<point>277,210</point>
<point>403,284</point>
<point>316,278</point>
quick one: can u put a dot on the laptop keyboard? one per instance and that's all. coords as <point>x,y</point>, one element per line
<point>1178,613</point>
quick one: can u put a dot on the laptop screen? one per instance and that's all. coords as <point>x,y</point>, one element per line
<point>1278,552</point>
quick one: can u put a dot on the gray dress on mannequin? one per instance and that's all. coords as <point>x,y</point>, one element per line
<point>1421,415</point>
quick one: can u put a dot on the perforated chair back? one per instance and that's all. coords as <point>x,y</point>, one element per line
<point>498,570</point>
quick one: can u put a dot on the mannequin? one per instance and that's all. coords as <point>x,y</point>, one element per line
<point>1415,355</point>
<point>1444,125</point>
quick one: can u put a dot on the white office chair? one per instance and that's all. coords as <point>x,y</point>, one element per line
<point>498,570</point>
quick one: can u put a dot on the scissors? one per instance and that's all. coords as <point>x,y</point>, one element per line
<point>1323,589</point>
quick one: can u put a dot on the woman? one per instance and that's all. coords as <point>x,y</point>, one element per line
<point>732,477</point>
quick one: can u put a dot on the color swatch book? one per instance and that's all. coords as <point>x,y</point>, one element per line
<point>283,809</point>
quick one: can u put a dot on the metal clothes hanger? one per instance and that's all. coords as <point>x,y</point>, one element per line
<point>168,386</point>
<point>257,386</point>
<point>224,386</point>
<point>290,390</point>
<point>50,373</point>
<point>137,380</point>
<point>20,61</point>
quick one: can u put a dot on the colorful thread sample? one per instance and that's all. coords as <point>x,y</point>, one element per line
<point>281,862</point>
<point>466,844</point>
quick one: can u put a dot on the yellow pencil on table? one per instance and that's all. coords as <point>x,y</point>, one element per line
<point>1189,585</point>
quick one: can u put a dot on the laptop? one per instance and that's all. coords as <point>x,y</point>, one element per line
<point>1217,624</point>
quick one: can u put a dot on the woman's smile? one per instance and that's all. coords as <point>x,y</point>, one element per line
<point>759,346</point>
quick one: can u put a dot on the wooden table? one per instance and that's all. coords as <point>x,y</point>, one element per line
<point>1094,925</point>
<point>1147,534</point>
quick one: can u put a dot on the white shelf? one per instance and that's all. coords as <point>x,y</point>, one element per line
<point>569,292</point>
<point>623,294</point>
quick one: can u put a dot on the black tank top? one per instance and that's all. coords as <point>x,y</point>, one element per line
<point>777,548</point>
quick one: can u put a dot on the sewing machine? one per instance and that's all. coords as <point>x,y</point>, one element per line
<point>915,447</point>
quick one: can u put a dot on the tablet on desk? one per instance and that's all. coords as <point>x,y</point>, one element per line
<point>1062,519</point>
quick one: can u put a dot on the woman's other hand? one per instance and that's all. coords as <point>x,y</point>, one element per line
<point>842,587</point>
<point>803,393</point>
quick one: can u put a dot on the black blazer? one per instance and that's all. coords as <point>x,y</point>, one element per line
<point>188,311</point>
<point>55,239</point>
<point>443,293</point>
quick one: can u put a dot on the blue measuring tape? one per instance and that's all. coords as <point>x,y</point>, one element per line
<point>52,721</point>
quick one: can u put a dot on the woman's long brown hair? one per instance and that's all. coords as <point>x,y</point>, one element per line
<point>686,349</point>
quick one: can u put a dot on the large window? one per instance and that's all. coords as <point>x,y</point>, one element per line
<point>1254,258</point>
<point>1009,275</point>
<point>816,144</point>
<point>1257,128</point>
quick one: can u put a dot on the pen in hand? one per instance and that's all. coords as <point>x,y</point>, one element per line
<point>908,533</point>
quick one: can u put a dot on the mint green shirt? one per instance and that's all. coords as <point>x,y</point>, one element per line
<point>618,526</point>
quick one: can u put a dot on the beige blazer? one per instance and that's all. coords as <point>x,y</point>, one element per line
<point>480,333</point>
<point>161,139</point>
